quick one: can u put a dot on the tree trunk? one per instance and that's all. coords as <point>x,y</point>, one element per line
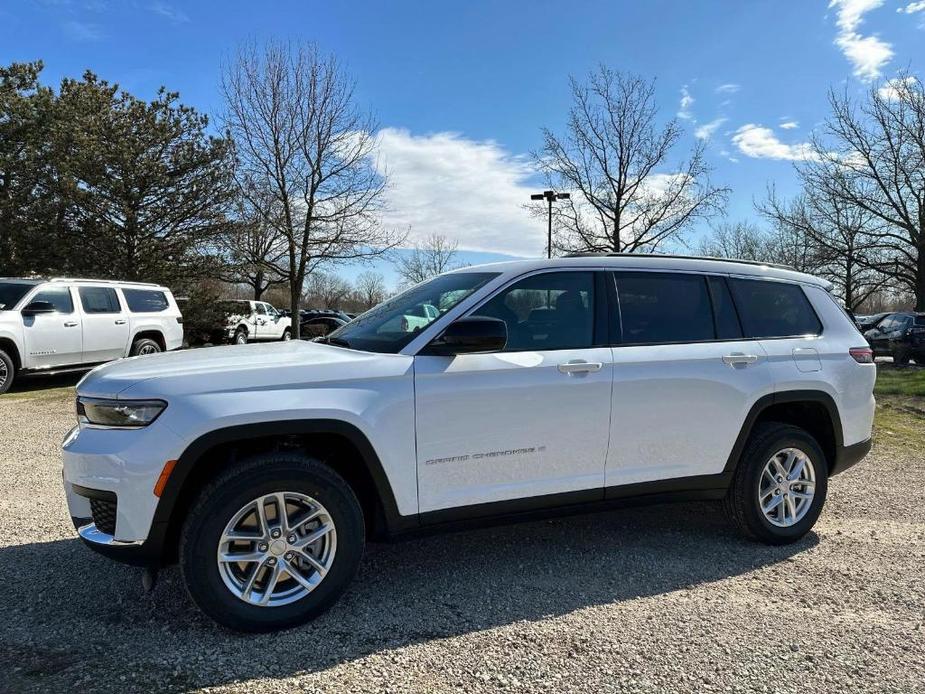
<point>295,294</point>
<point>258,285</point>
<point>920,278</point>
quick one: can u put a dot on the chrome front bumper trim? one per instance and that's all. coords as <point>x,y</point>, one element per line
<point>90,533</point>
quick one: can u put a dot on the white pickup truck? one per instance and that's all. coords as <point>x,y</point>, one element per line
<point>256,321</point>
<point>63,324</point>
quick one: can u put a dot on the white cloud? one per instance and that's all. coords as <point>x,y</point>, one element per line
<point>789,125</point>
<point>868,54</point>
<point>684,111</point>
<point>174,14</point>
<point>727,88</point>
<point>759,142</point>
<point>889,91</point>
<point>913,7</point>
<point>83,31</point>
<point>467,190</point>
<point>705,131</point>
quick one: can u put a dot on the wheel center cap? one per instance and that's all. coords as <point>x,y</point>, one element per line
<point>277,548</point>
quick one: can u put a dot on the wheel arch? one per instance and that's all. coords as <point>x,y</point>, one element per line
<point>812,410</point>
<point>9,346</point>
<point>150,334</point>
<point>354,458</point>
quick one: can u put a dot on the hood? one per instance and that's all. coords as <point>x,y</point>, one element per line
<point>236,368</point>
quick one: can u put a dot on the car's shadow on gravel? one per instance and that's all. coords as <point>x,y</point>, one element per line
<point>68,614</point>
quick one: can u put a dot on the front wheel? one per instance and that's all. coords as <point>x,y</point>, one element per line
<point>779,486</point>
<point>287,335</point>
<point>272,542</point>
<point>7,372</point>
<point>900,357</point>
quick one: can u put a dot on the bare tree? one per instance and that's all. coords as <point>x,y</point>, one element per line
<point>253,250</point>
<point>433,257</point>
<point>299,135</point>
<point>739,240</point>
<point>614,159</point>
<point>326,291</point>
<point>871,156</point>
<point>833,238</point>
<point>369,290</point>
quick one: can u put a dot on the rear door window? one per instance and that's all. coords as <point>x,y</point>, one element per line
<point>773,309</point>
<point>145,300</point>
<point>99,300</point>
<point>724,310</point>
<point>59,297</point>
<point>660,307</point>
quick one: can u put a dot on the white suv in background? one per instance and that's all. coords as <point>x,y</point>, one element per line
<point>61,324</point>
<point>536,386</point>
<point>256,321</point>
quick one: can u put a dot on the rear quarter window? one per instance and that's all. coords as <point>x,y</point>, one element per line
<point>774,309</point>
<point>145,300</point>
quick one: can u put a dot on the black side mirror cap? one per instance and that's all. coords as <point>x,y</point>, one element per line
<point>37,307</point>
<point>469,335</point>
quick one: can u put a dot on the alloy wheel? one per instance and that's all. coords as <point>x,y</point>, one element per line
<point>277,549</point>
<point>787,487</point>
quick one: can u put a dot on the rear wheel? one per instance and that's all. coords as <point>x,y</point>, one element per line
<point>145,346</point>
<point>272,543</point>
<point>240,337</point>
<point>779,486</point>
<point>287,335</point>
<point>7,371</point>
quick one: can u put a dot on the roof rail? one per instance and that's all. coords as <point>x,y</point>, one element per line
<point>779,266</point>
<point>88,279</point>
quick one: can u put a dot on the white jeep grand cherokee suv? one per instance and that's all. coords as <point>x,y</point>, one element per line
<point>62,324</point>
<point>561,385</point>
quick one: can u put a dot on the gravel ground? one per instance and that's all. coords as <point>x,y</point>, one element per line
<point>640,600</point>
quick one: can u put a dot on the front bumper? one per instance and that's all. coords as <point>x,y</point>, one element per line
<point>121,468</point>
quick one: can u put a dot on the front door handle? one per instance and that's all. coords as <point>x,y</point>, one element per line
<point>580,366</point>
<point>70,324</point>
<point>121,321</point>
<point>739,358</point>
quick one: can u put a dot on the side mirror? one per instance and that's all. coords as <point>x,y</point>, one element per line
<point>37,307</point>
<point>470,335</point>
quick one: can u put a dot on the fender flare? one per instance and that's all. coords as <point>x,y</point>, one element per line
<point>786,396</point>
<point>394,522</point>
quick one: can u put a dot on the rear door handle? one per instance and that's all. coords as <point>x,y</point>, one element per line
<point>738,358</point>
<point>70,324</point>
<point>579,366</point>
<point>121,321</point>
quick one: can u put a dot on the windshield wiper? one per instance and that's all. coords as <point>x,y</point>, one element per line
<point>337,341</point>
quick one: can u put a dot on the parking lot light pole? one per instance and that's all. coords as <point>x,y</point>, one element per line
<point>549,196</point>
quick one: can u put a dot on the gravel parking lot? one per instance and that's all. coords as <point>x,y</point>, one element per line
<point>640,600</point>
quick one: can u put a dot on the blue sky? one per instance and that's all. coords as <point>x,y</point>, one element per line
<point>462,89</point>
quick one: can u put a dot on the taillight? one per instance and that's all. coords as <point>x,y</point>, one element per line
<point>862,355</point>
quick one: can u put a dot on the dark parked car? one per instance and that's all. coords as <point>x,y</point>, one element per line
<point>865,323</point>
<point>320,323</point>
<point>899,335</point>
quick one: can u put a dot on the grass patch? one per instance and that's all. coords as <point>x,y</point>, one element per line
<point>900,381</point>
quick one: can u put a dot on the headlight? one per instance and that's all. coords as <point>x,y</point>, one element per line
<point>119,413</point>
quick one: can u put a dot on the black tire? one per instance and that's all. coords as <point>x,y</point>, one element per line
<point>244,481</point>
<point>145,345</point>
<point>741,502</point>
<point>240,337</point>
<point>287,335</point>
<point>7,372</point>
<point>900,357</point>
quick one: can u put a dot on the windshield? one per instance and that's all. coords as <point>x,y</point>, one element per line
<point>12,292</point>
<point>394,323</point>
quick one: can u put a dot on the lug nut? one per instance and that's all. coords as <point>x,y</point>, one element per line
<point>291,539</point>
<point>289,556</point>
<point>777,492</point>
<point>275,533</point>
<point>263,547</point>
<point>271,561</point>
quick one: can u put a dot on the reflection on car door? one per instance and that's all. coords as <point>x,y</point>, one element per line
<point>683,384</point>
<point>104,323</point>
<point>532,420</point>
<point>53,339</point>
